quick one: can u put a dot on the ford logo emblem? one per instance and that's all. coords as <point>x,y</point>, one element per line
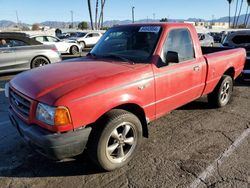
<point>16,102</point>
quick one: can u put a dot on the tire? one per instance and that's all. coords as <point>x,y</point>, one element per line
<point>39,62</point>
<point>222,93</point>
<point>83,45</point>
<point>74,50</point>
<point>115,144</point>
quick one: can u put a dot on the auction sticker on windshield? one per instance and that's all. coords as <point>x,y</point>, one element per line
<point>150,29</point>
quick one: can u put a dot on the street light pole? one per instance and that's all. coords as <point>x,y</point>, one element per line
<point>72,19</point>
<point>133,14</point>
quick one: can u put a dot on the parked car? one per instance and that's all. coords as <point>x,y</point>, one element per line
<point>135,74</point>
<point>18,52</point>
<point>240,39</point>
<point>206,39</point>
<point>216,36</point>
<point>63,47</point>
<point>87,39</point>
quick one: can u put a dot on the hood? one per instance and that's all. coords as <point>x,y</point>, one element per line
<point>48,83</point>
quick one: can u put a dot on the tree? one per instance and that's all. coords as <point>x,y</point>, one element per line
<point>247,14</point>
<point>236,10</point>
<point>96,13</point>
<point>164,20</point>
<point>83,25</point>
<point>98,17</point>
<point>100,22</point>
<point>35,27</point>
<point>90,15</point>
<point>229,17</point>
<point>237,20</point>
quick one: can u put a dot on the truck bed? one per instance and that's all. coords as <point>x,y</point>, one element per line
<point>221,59</point>
<point>209,50</point>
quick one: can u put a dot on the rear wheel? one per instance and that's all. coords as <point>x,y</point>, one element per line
<point>39,61</point>
<point>74,50</point>
<point>222,93</point>
<point>114,146</point>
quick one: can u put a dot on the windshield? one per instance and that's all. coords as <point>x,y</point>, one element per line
<point>134,43</point>
<point>77,34</point>
<point>81,34</point>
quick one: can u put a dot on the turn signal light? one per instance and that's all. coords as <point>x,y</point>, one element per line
<point>62,116</point>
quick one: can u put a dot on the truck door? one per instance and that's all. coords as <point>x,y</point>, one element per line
<point>179,75</point>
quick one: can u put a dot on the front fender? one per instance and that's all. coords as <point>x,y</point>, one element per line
<point>87,112</point>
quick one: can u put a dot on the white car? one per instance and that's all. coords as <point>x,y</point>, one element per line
<point>88,40</point>
<point>206,39</point>
<point>68,47</point>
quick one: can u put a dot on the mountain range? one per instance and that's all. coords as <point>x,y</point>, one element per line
<point>57,24</point>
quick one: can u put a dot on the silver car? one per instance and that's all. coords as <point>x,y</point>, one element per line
<point>18,52</point>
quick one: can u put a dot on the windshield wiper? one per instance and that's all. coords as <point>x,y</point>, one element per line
<point>116,56</point>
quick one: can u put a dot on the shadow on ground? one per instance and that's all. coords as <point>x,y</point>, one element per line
<point>39,166</point>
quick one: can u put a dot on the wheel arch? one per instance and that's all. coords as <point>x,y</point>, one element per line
<point>135,109</point>
<point>139,112</point>
<point>230,72</point>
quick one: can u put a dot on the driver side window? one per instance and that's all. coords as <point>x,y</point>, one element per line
<point>89,35</point>
<point>178,47</point>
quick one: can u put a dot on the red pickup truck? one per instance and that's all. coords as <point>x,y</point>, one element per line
<point>103,102</point>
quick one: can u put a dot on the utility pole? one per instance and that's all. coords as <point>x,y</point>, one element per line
<point>17,19</point>
<point>133,14</point>
<point>154,16</point>
<point>72,20</point>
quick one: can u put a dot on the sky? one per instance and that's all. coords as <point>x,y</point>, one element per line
<point>33,11</point>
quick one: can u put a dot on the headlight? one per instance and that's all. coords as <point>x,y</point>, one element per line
<point>55,116</point>
<point>45,113</point>
<point>7,89</point>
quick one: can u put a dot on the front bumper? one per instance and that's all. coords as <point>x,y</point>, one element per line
<point>55,146</point>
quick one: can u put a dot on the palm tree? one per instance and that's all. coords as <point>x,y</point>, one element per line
<point>247,14</point>
<point>229,17</point>
<point>96,13</point>
<point>236,10</point>
<point>90,15</point>
<point>100,22</point>
<point>239,13</point>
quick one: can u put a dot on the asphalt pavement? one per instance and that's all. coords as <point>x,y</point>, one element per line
<point>193,146</point>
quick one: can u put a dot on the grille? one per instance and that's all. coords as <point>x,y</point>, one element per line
<point>20,104</point>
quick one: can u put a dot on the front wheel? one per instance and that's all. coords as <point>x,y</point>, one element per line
<point>115,145</point>
<point>39,61</point>
<point>74,50</point>
<point>222,93</point>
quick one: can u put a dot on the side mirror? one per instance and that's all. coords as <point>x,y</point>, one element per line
<point>171,57</point>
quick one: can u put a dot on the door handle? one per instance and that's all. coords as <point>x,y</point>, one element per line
<point>196,68</point>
